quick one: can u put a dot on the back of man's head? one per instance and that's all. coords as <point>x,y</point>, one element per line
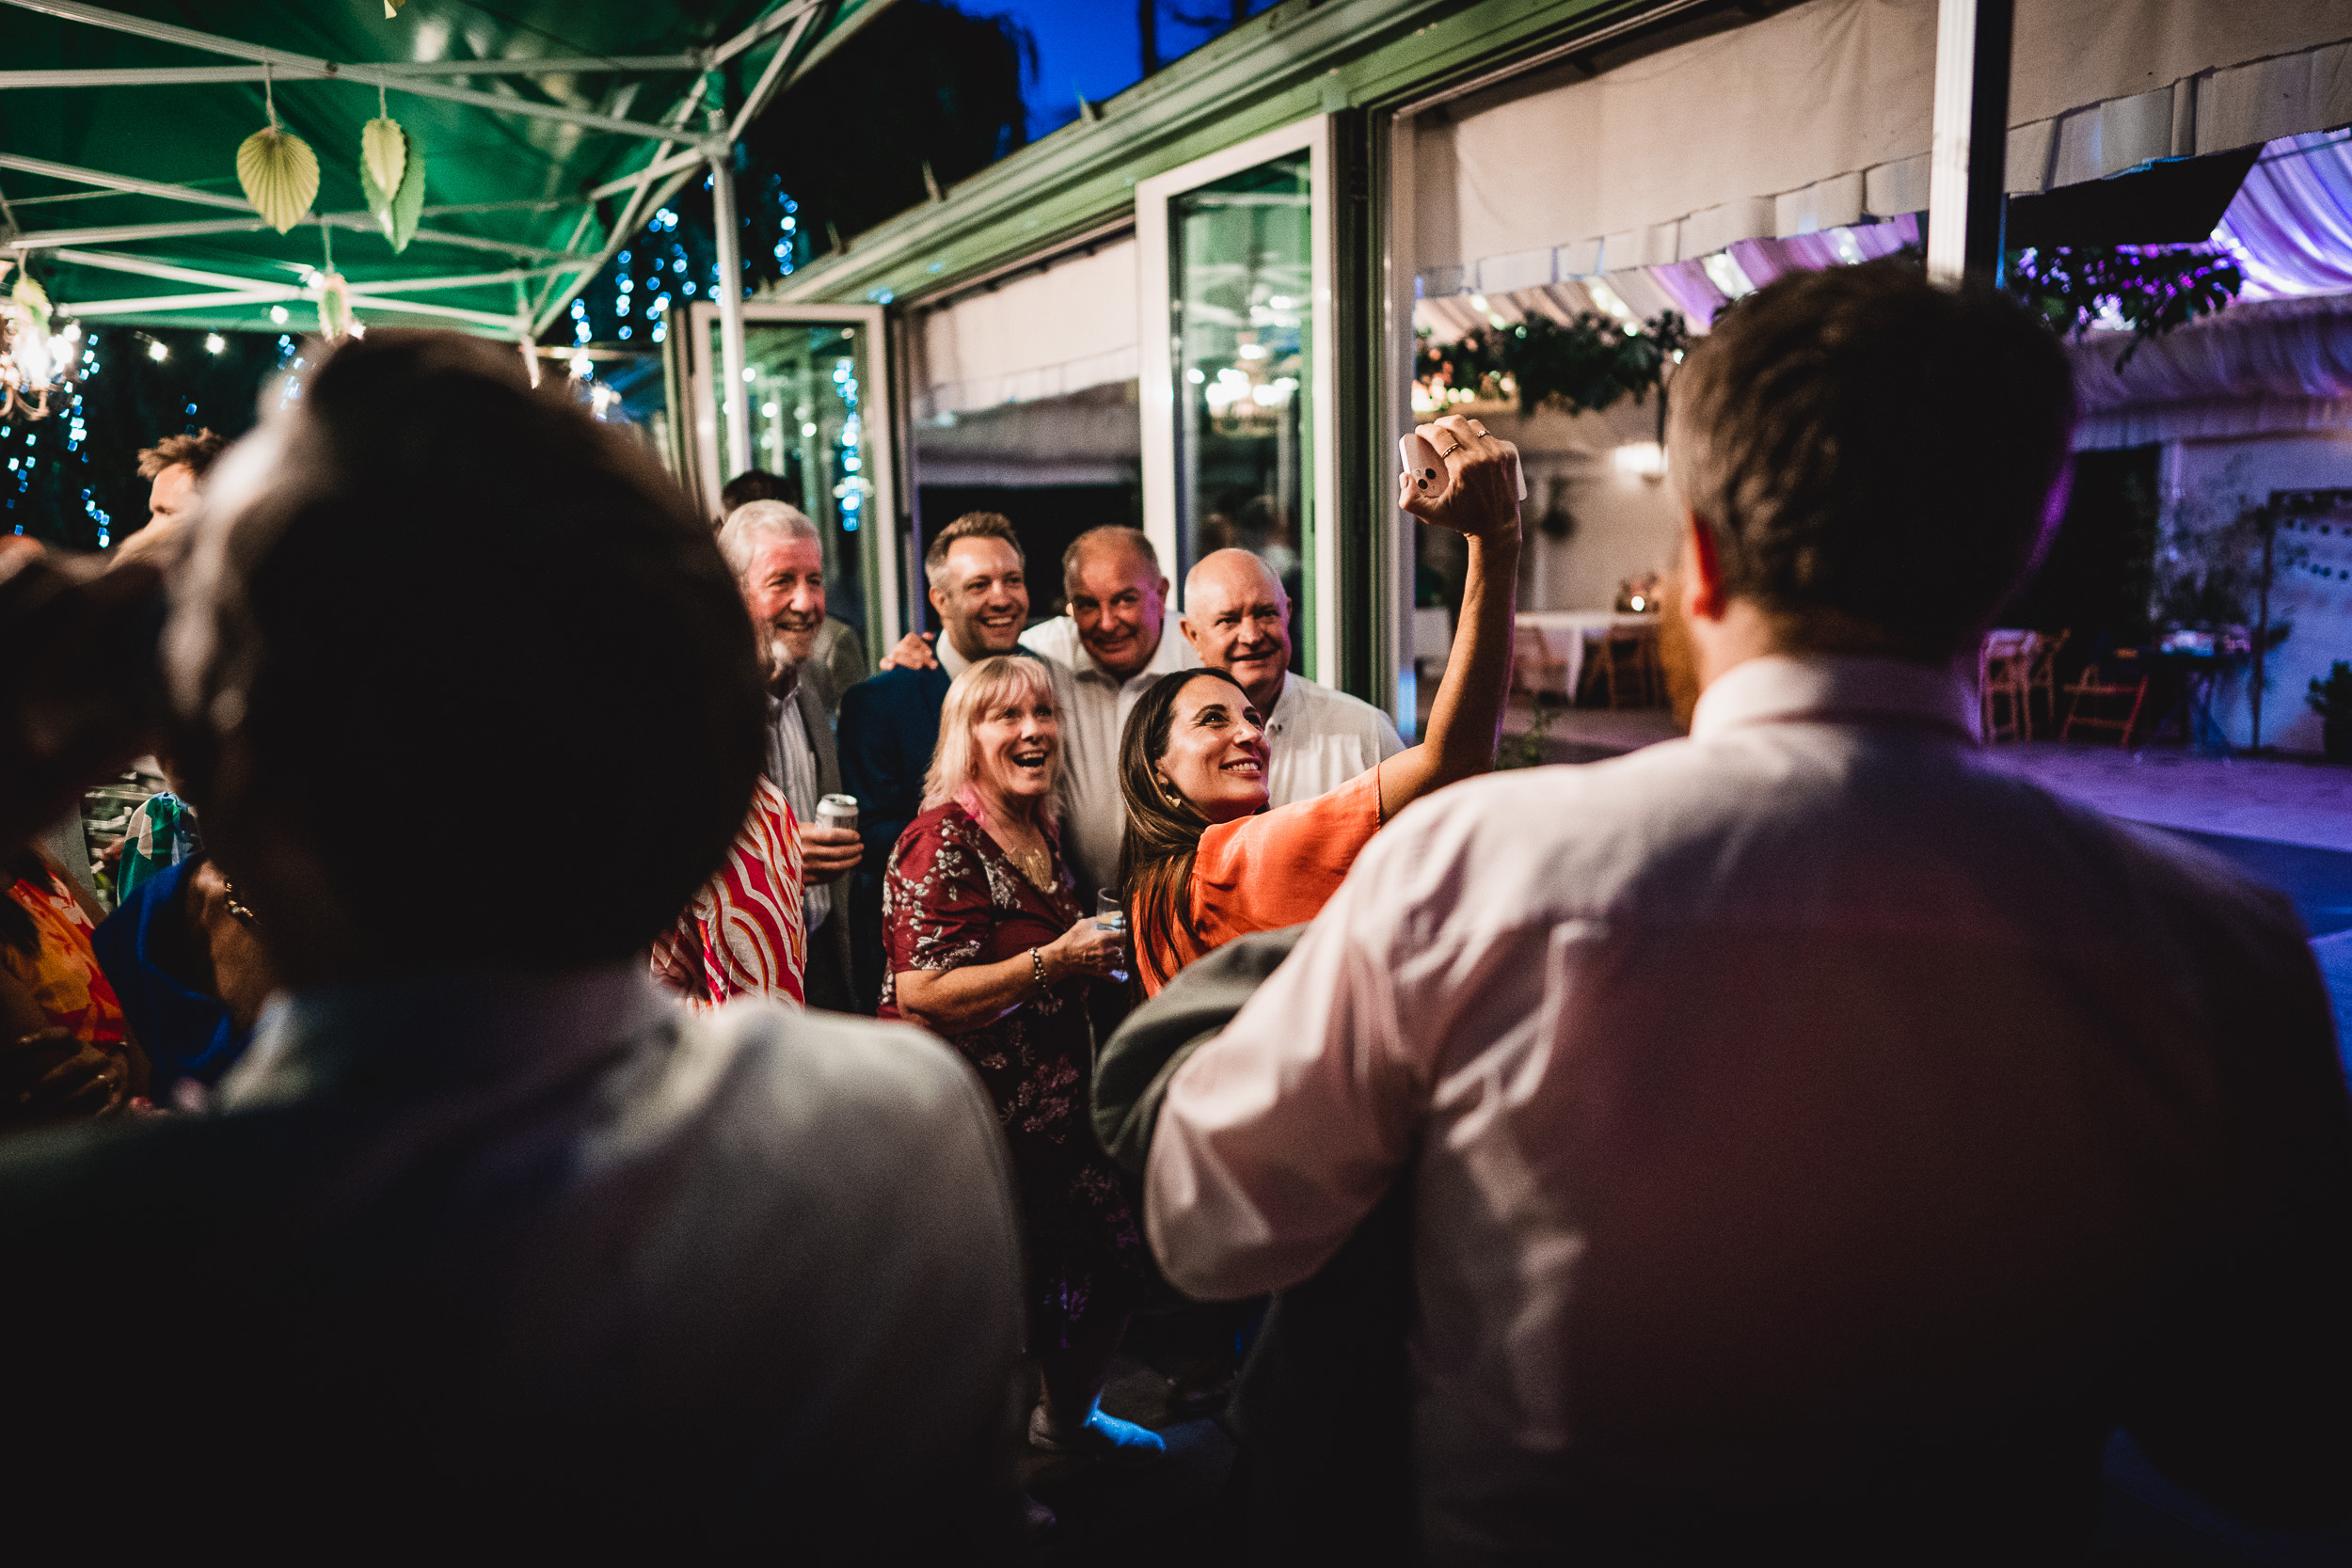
<point>1877,459</point>
<point>436,617</point>
<point>758,484</point>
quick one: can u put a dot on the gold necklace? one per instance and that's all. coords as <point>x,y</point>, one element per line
<point>1038,865</point>
<point>1034,861</point>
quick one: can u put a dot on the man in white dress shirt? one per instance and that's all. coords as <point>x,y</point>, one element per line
<point>1105,652</point>
<point>1238,620</point>
<point>1811,1134</point>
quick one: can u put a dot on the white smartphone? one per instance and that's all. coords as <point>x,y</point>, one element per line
<point>1427,470</point>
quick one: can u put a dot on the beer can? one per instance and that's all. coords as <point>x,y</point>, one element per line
<point>837,811</point>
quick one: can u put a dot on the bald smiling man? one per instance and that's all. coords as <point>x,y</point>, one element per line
<point>1237,619</point>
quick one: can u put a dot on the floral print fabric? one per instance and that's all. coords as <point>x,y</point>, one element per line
<point>951,897</point>
<point>64,976</point>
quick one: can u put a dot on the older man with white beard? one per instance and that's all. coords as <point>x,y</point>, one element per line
<point>1238,620</point>
<point>780,565</point>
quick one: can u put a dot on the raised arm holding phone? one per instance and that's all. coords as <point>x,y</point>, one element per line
<point>1204,862</point>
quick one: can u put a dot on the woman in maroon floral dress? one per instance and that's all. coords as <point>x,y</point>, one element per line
<point>986,947</point>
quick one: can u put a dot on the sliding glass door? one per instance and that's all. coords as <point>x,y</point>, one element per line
<point>816,379</point>
<point>1235,298</point>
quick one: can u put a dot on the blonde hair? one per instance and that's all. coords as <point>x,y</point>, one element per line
<point>981,689</point>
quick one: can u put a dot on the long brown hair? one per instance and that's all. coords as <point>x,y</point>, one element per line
<point>1163,827</point>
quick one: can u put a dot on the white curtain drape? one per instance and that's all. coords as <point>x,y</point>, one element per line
<point>1818,118</point>
<point>2266,369</point>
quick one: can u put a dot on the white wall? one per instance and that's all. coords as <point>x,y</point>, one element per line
<point>1626,526</point>
<point>1042,335</point>
<point>2204,484</point>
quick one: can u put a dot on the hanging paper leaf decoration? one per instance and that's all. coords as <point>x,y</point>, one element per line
<point>397,203</point>
<point>334,306</point>
<point>407,201</point>
<point>391,8</point>
<point>34,298</point>
<point>280,176</point>
<point>383,151</point>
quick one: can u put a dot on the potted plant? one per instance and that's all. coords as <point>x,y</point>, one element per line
<point>2331,699</point>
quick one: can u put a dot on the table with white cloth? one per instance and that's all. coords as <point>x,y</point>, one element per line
<point>1548,652</point>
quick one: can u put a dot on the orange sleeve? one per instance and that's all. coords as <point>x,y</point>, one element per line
<point>1280,867</point>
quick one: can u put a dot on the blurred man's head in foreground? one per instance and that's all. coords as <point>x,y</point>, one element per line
<point>458,675</point>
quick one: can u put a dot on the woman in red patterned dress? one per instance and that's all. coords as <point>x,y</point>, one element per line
<point>986,945</point>
<point>67,1053</point>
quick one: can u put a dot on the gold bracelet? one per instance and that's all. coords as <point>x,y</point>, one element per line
<point>1038,965</point>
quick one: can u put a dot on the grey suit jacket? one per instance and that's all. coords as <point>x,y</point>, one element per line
<point>829,945</point>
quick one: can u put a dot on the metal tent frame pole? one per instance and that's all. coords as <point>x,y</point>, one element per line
<point>673,169</point>
<point>289,66</point>
<point>734,405</point>
<point>677,152</point>
<point>1967,179</point>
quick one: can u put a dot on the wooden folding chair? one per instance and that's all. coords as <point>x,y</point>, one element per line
<point>2002,660</point>
<point>2042,676</point>
<point>2129,687</point>
<point>1624,664</point>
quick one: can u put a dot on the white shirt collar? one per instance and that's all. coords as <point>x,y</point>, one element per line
<point>1789,689</point>
<point>951,658</point>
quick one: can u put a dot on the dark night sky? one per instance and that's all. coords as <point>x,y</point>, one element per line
<point>1090,46</point>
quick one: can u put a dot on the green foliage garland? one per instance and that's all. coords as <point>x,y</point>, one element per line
<point>2152,289</point>
<point>1579,366</point>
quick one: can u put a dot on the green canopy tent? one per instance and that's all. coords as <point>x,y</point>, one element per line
<point>549,132</point>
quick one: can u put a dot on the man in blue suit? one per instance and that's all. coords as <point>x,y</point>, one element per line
<point>890,723</point>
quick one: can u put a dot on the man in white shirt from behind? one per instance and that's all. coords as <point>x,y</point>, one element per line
<point>1812,1135</point>
<point>1238,619</point>
<point>1105,652</point>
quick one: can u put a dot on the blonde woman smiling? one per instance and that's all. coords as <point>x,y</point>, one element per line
<point>984,944</point>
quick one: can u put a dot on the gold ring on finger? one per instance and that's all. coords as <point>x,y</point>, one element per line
<point>1477,428</point>
<point>1449,452</point>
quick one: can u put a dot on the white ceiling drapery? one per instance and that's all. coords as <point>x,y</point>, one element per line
<point>1818,118</point>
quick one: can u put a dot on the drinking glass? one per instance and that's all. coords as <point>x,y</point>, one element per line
<point>1111,915</point>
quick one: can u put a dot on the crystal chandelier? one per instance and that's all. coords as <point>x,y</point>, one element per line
<point>31,361</point>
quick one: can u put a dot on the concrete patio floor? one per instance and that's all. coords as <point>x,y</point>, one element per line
<point>2285,800</point>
